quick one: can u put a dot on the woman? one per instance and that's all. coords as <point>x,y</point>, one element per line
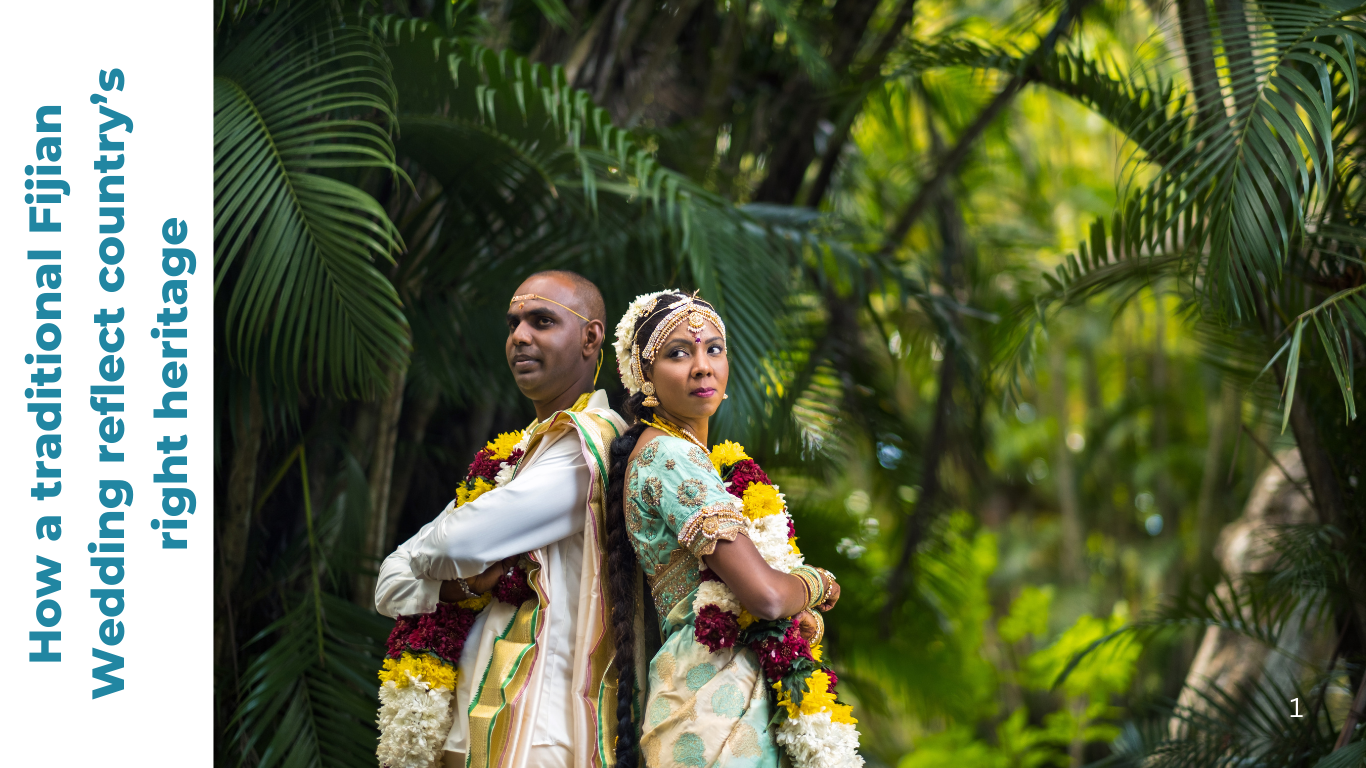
<point>669,510</point>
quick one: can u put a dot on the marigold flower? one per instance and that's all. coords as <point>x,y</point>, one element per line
<point>726,454</point>
<point>762,500</point>
<point>471,490</point>
<point>501,447</point>
<point>818,697</point>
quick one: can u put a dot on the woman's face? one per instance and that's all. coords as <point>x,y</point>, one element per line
<point>690,371</point>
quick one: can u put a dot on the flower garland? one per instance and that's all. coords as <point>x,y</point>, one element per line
<point>419,675</point>
<point>815,729</point>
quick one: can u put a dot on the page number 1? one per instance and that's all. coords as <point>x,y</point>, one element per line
<point>1296,702</point>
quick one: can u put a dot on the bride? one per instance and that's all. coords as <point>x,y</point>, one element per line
<point>668,508</point>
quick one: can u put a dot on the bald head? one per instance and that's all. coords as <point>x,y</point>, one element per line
<point>588,299</point>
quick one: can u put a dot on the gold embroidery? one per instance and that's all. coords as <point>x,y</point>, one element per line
<point>692,493</point>
<point>699,457</point>
<point>719,521</point>
<point>652,491</point>
<point>670,464</point>
<point>633,522</point>
<point>647,454</point>
<point>745,742</point>
<point>673,582</point>
<point>649,743</point>
<point>689,711</point>
<point>665,665</point>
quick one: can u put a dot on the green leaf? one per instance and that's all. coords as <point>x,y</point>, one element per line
<point>295,247</point>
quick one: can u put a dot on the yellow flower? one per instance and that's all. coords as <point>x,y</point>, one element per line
<point>465,495</point>
<point>792,542</point>
<point>817,652</point>
<point>817,699</point>
<point>501,447</point>
<point>727,453</point>
<point>746,618</point>
<point>477,603</point>
<point>762,500</point>
<point>425,667</point>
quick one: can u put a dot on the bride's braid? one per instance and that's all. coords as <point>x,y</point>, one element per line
<point>622,563</point>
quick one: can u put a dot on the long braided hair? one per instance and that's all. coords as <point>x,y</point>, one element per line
<point>622,562</point>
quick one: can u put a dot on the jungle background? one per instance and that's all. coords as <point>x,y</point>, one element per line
<point>1045,316</point>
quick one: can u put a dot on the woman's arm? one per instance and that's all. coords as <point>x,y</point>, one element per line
<point>764,592</point>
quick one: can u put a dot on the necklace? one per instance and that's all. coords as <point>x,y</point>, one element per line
<point>673,430</point>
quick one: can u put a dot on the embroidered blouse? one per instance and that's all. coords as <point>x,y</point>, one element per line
<point>677,508</point>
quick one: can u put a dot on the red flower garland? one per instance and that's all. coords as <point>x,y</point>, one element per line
<point>512,587</point>
<point>716,628</point>
<point>441,632</point>
<point>742,474</point>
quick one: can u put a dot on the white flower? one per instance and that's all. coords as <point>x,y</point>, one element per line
<point>505,472</point>
<point>718,594</point>
<point>626,330</point>
<point>769,535</point>
<point>413,724</point>
<point>815,741</point>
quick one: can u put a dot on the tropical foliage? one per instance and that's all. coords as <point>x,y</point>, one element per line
<point>1023,300</point>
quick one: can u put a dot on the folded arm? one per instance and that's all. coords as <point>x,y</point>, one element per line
<point>543,504</point>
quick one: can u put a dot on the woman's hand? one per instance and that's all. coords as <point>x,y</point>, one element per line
<point>807,626</point>
<point>832,591</point>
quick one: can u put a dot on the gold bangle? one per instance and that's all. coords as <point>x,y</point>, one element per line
<point>820,626</point>
<point>815,584</point>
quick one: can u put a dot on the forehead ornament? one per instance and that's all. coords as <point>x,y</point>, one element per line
<point>632,354</point>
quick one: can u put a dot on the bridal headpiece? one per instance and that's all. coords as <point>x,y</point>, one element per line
<point>631,353</point>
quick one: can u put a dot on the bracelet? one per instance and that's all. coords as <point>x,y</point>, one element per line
<point>465,588</point>
<point>827,581</point>
<point>814,583</point>
<point>820,626</point>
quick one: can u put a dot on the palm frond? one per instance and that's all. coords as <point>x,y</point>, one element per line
<point>309,699</point>
<point>295,247</point>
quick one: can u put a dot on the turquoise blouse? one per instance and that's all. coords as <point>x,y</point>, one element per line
<point>677,508</point>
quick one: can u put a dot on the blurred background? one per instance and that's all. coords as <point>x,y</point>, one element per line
<point>1045,316</point>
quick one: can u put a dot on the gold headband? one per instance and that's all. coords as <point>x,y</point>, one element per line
<point>686,308</point>
<point>526,296</point>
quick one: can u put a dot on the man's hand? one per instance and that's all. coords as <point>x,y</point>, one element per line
<point>453,592</point>
<point>485,581</point>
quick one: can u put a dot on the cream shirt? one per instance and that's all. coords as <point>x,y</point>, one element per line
<point>543,507</point>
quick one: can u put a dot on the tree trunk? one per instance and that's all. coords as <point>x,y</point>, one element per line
<point>236,522</point>
<point>1073,565</point>
<point>1230,660</point>
<point>419,416</point>
<point>795,149</point>
<point>381,477</point>
<point>1195,38</point>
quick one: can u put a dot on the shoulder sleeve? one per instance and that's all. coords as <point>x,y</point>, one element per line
<point>678,479</point>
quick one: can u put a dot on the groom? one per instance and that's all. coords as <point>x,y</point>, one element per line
<point>534,688</point>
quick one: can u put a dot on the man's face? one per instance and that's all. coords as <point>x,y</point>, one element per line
<point>546,345</point>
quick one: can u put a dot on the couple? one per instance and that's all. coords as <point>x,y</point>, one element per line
<point>553,673</point>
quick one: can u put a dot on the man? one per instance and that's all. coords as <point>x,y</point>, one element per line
<point>537,674</point>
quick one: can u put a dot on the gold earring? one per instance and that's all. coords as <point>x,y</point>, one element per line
<point>648,389</point>
<point>725,397</point>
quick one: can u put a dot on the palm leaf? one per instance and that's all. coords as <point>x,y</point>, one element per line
<point>309,699</point>
<point>295,247</point>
